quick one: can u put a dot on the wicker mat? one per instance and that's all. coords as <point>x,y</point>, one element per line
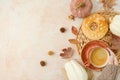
<point>82,39</point>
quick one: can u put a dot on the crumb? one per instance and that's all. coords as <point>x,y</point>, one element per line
<point>50,52</point>
<point>71,17</point>
<point>42,63</point>
<point>62,29</point>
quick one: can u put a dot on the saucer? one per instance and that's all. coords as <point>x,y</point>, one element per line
<point>86,52</point>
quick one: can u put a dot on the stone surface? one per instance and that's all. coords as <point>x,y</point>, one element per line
<point>28,30</point>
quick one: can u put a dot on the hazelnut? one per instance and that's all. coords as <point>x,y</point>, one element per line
<point>62,29</point>
<point>42,63</point>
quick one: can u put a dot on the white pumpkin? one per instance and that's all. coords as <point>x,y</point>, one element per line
<point>115,25</point>
<point>75,71</point>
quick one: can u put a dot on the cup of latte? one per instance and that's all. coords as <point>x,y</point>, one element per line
<point>99,57</point>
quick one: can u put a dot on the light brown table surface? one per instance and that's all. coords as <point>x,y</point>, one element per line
<point>28,30</point>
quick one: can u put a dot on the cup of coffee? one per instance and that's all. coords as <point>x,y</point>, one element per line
<point>99,57</point>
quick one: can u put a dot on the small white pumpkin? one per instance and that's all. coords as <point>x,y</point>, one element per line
<point>115,25</point>
<point>75,71</point>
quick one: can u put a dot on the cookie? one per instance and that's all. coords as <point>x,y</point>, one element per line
<point>94,26</point>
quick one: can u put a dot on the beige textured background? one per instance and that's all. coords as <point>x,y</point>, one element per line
<point>28,30</point>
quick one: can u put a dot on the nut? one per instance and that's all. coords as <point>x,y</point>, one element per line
<point>42,63</point>
<point>50,52</point>
<point>71,17</point>
<point>62,29</point>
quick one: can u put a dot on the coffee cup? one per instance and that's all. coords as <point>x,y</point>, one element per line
<point>99,57</point>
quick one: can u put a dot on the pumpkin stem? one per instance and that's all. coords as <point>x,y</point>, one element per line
<point>80,5</point>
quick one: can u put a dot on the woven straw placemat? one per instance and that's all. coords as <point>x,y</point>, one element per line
<point>82,39</point>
